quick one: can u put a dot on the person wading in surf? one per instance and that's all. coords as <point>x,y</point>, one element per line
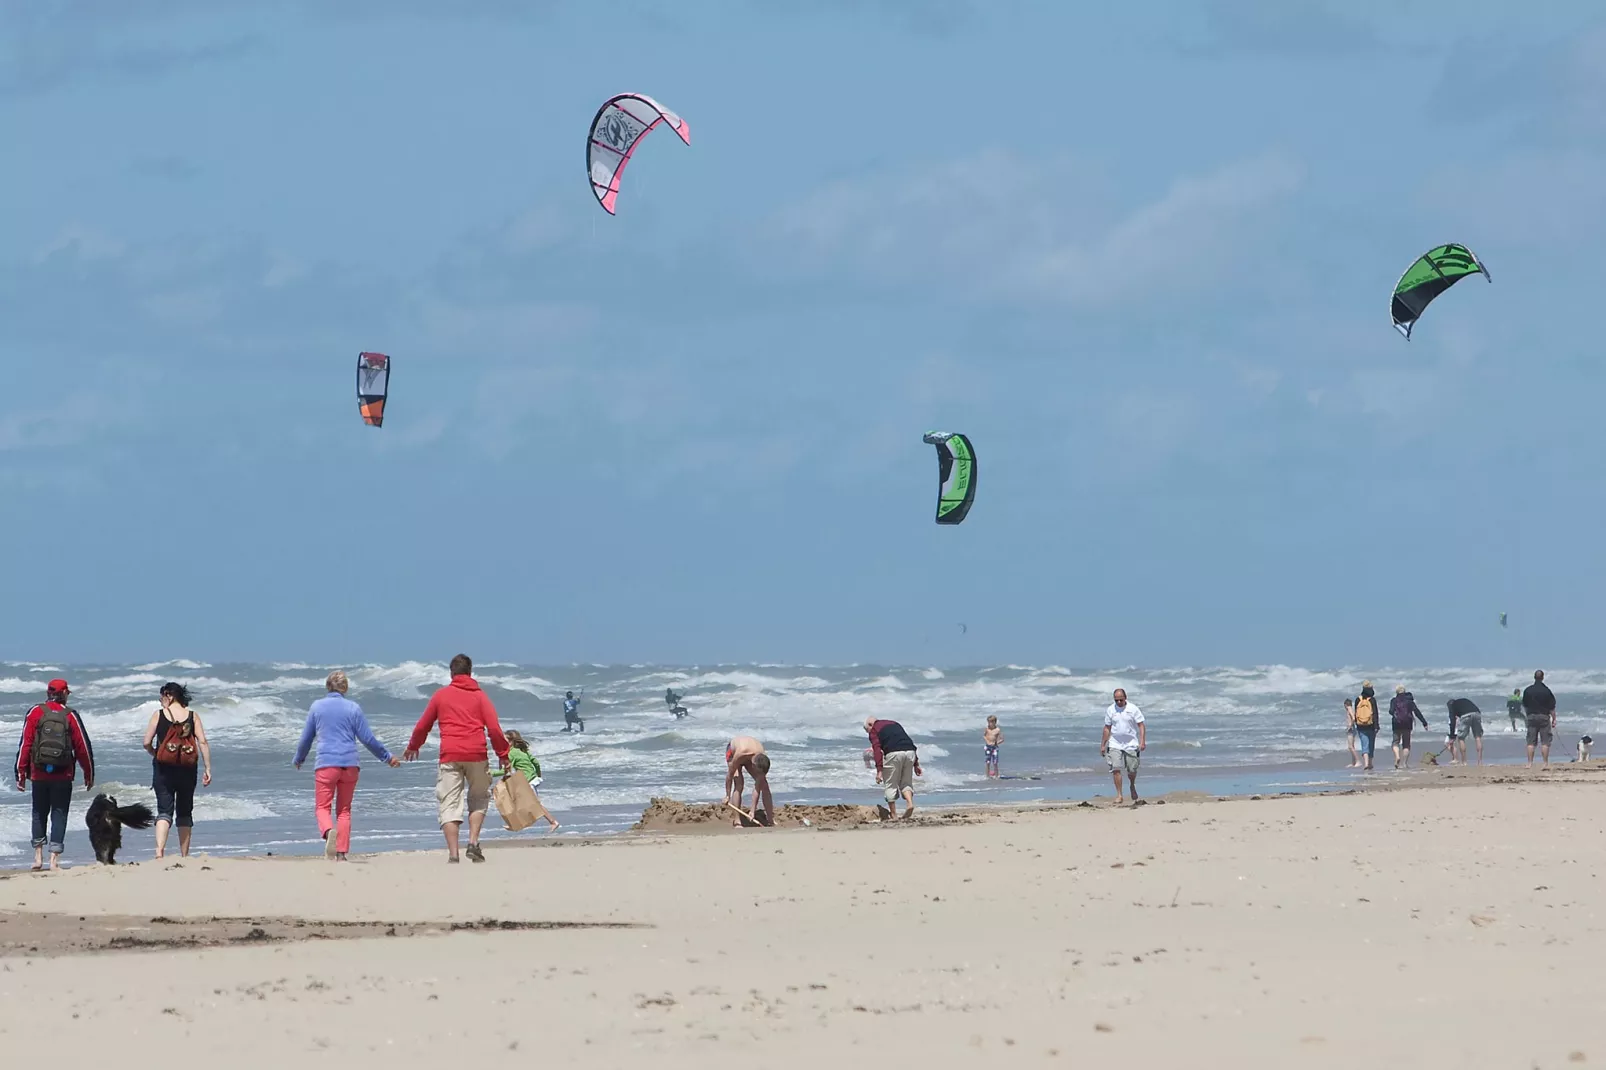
<point>1366,722</point>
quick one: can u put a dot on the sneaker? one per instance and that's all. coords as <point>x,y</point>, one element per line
<point>474,853</point>
<point>329,844</point>
<point>452,859</point>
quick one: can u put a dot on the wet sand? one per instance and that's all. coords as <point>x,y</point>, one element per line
<point>1447,923</point>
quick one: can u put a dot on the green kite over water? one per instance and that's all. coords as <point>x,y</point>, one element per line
<point>956,475</point>
<point>1434,272</point>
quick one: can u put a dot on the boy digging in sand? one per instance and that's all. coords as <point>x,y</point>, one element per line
<point>991,737</point>
<point>747,753</point>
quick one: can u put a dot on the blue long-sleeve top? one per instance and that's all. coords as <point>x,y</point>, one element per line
<point>338,724</point>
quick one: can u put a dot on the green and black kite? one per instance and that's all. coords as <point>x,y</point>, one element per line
<point>956,475</point>
<point>1434,272</point>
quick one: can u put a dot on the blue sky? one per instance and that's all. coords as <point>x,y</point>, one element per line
<point>1141,253</point>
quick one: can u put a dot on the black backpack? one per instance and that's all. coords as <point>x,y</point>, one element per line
<point>52,740</point>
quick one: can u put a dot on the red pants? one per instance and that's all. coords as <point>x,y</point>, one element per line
<point>336,786</point>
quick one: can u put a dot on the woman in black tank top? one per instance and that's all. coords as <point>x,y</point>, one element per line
<point>177,756</point>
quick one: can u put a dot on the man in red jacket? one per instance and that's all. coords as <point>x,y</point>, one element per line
<point>53,746</point>
<point>466,716</point>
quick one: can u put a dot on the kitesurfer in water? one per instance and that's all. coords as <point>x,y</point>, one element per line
<point>672,700</point>
<point>571,712</point>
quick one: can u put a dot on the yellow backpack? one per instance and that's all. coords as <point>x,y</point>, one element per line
<point>1365,712</point>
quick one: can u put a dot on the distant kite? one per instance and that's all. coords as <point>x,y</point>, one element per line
<point>962,629</point>
<point>956,475</point>
<point>373,387</point>
<point>1502,620</point>
<point>618,128</point>
<point>1432,273</point>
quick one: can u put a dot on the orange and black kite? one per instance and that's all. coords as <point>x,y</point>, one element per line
<point>373,386</point>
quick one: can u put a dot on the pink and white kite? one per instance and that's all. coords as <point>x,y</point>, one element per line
<point>620,125</point>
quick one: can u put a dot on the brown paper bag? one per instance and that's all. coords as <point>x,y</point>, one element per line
<point>516,802</point>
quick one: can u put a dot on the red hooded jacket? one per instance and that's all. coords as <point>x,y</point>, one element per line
<point>466,715</point>
<point>83,753</point>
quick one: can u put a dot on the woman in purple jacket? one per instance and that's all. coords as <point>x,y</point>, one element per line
<point>339,725</point>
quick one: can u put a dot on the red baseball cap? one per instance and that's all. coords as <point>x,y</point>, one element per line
<point>58,684</point>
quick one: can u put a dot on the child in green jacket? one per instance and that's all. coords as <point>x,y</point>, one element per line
<point>519,758</point>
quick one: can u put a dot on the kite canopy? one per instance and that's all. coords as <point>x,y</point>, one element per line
<point>373,386</point>
<point>620,125</point>
<point>956,475</point>
<point>1434,272</point>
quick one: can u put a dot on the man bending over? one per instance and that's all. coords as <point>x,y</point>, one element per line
<point>746,754</point>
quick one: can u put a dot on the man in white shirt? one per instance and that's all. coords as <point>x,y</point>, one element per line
<point>1124,740</point>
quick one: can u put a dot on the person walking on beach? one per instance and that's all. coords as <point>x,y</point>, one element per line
<point>176,742</point>
<point>1514,708</point>
<point>52,748</point>
<point>522,763</point>
<point>1540,705</point>
<point>1465,720</point>
<point>571,712</point>
<point>746,754</point>
<point>897,763</point>
<point>1366,722</point>
<point>1123,743</point>
<point>466,717</point>
<point>1401,712</point>
<point>991,737</point>
<point>338,724</point>
<point>1349,732</point>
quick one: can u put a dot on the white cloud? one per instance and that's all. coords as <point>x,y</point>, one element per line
<point>1184,239</point>
<point>1007,228</point>
<point>80,242</point>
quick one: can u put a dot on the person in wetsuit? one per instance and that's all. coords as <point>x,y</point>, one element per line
<point>672,700</point>
<point>571,712</point>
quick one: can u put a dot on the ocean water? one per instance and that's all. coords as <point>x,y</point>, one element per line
<point>1222,730</point>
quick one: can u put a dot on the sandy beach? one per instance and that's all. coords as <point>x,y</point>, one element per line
<point>1451,924</point>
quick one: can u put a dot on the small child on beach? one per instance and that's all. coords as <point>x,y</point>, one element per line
<point>991,737</point>
<point>521,761</point>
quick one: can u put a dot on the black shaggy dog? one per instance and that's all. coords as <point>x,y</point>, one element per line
<point>106,820</point>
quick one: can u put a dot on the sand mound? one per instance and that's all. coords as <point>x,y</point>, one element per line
<point>672,815</point>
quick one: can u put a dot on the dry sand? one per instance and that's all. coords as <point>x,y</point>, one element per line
<point>1431,928</point>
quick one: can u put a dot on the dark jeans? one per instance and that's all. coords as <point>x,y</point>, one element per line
<point>50,799</point>
<point>175,793</point>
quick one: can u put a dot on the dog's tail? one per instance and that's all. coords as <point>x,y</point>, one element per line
<point>136,816</point>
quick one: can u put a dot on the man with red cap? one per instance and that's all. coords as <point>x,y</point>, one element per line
<point>53,746</point>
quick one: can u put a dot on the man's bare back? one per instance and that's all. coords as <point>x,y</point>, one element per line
<point>745,754</point>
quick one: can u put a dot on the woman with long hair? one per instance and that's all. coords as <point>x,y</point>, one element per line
<point>176,741</point>
<point>522,763</point>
